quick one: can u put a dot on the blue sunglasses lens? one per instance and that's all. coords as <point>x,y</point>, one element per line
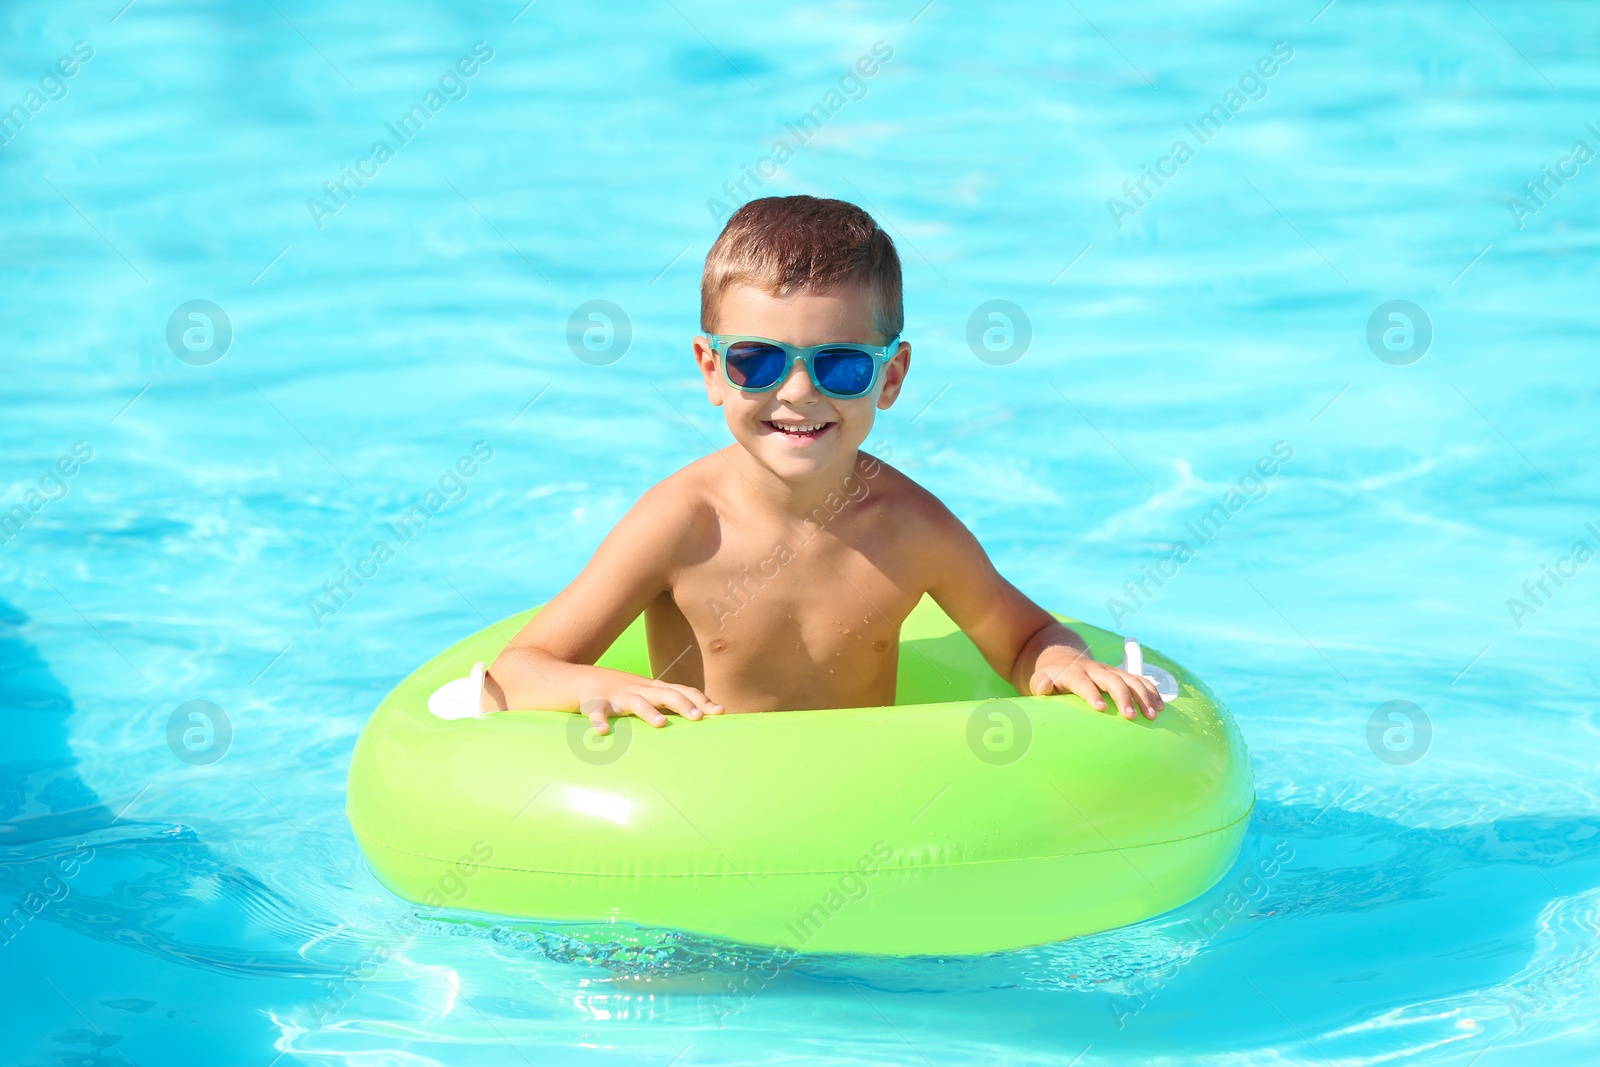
<point>753,365</point>
<point>847,371</point>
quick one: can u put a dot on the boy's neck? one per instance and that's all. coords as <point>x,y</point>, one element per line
<point>789,499</point>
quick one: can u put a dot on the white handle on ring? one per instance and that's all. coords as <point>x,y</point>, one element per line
<point>460,699</point>
<point>1133,662</point>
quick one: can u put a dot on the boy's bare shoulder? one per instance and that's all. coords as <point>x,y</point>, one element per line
<point>915,509</point>
<point>683,503</point>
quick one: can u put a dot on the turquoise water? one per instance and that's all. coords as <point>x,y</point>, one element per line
<point>1435,895</point>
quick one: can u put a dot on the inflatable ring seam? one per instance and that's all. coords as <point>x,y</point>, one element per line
<point>810,873</point>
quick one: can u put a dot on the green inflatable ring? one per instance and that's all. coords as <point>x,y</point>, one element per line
<point>964,819</point>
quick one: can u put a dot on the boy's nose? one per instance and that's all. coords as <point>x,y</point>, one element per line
<point>798,385</point>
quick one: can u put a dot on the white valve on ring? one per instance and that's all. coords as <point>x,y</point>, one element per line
<point>460,699</point>
<point>1133,662</point>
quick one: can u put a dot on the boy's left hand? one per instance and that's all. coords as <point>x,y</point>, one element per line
<point>1088,678</point>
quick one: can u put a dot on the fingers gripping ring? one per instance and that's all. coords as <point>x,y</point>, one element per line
<point>1133,662</point>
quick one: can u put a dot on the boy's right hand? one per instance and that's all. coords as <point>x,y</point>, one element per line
<point>598,692</point>
<point>645,698</point>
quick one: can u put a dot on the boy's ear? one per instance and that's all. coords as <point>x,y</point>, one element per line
<point>706,360</point>
<point>894,374</point>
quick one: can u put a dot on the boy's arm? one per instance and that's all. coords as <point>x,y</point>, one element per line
<point>1022,642</point>
<point>550,663</point>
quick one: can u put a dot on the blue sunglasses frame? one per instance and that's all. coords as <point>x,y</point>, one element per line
<point>880,354</point>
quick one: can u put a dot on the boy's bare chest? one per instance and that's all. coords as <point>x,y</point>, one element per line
<point>805,616</point>
<point>801,582</point>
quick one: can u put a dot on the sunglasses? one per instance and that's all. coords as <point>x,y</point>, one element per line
<point>843,370</point>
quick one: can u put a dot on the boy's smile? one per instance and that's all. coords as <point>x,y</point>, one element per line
<point>794,430</point>
<point>800,431</point>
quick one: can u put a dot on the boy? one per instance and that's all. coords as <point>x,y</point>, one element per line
<point>775,573</point>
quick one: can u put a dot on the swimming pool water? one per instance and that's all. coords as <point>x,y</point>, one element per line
<point>1421,882</point>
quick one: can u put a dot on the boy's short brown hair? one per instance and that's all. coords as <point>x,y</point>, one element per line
<point>790,244</point>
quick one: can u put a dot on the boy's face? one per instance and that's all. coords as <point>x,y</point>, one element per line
<point>759,421</point>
